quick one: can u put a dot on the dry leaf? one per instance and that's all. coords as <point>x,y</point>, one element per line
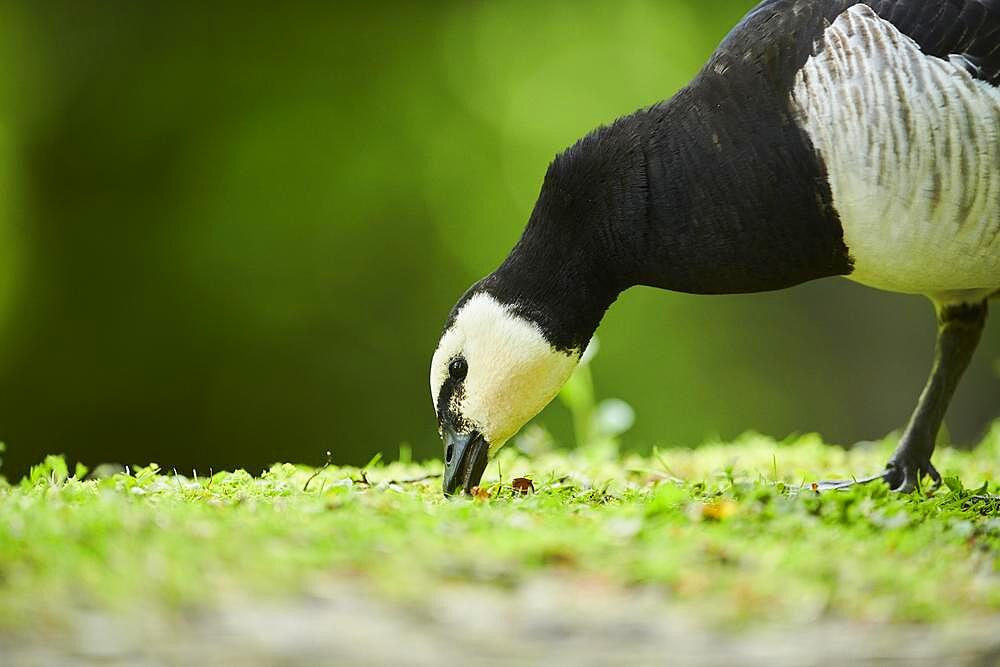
<point>559,558</point>
<point>718,510</point>
<point>480,493</point>
<point>523,485</point>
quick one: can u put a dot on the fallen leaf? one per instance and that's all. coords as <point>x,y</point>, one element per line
<point>718,510</point>
<point>480,493</point>
<point>559,558</point>
<point>523,485</point>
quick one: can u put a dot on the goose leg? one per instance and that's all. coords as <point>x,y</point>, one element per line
<point>959,329</point>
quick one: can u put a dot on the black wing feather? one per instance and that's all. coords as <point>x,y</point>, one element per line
<point>777,36</point>
<point>942,28</point>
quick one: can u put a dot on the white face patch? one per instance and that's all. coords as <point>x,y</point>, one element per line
<point>513,372</point>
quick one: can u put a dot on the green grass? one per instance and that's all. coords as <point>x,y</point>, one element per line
<point>731,532</point>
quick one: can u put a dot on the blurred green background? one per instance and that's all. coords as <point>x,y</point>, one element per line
<point>230,234</point>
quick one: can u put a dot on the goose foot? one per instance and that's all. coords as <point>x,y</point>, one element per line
<point>903,475</point>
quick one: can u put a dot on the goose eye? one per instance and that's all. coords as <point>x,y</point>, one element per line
<point>458,368</point>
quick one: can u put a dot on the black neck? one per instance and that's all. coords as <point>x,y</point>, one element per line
<point>739,200</point>
<point>573,259</point>
<point>698,194</point>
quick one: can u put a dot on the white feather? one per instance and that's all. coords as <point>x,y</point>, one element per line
<point>911,144</point>
<point>513,370</point>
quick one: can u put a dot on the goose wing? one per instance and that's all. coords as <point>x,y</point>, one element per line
<point>966,32</point>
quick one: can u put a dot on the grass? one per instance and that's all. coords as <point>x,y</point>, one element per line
<point>732,533</point>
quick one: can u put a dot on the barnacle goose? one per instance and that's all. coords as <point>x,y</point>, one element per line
<point>822,138</point>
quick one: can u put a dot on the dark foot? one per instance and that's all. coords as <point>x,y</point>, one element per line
<point>901,474</point>
<point>904,474</point>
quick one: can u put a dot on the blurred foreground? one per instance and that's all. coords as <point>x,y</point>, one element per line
<point>721,553</point>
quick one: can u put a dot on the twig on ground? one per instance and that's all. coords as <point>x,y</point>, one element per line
<point>313,476</point>
<point>659,459</point>
<point>415,480</point>
<point>422,478</point>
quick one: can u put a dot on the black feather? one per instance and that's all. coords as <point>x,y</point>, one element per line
<point>717,190</point>
<point>967,28</point>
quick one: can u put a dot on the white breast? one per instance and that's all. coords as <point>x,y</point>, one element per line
<point>911,144</point>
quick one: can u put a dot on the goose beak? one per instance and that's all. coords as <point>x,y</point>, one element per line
<point>465,457</point>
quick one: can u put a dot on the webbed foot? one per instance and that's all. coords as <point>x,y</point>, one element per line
<point>903,475</point>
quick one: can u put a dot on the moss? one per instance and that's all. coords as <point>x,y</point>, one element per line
<point>731,532</point>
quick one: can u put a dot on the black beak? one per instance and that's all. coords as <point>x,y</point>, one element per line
<point>465,456</point>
